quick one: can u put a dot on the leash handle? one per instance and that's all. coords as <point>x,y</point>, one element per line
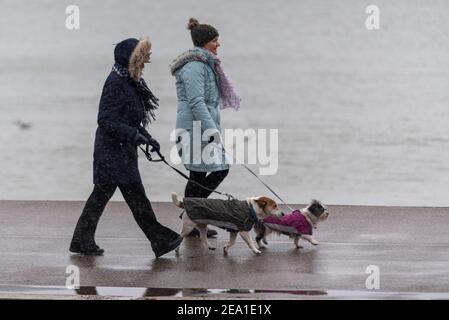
<point>148,154</point>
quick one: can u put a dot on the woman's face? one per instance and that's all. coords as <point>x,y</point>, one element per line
<point>212,45</point>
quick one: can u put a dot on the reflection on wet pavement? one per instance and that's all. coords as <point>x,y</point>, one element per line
<point>184,292</point>
<point>91,292</point>
<point>151,292</point>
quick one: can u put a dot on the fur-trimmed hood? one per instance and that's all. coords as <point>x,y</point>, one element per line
<point>195,54</point>
<point>133,54</point>
<point>139,56</point>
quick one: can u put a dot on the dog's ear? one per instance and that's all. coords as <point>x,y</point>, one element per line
<point>262,201</point>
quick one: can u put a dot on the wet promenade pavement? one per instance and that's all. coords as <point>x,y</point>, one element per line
<point>409,246</point>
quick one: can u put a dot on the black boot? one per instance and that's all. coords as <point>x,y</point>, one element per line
<point>88,250</point>
<point>160,250</point>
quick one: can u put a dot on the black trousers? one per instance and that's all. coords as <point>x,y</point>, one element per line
<point>211,181</point>
<point>140,206</point>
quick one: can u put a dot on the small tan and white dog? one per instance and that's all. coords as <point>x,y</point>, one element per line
<point>298,224</point>
<point>238,217</point>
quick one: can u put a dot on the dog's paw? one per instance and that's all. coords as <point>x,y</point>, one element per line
<point>257,251</point>
<point>225,250</point>
<point>260,245</point>
<point>212,248</point>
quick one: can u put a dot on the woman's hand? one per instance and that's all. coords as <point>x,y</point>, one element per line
<point>140,139</point>
<point>215,137</point>
<point>155,145</point>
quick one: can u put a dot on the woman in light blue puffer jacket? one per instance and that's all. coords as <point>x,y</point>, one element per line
<point>202,89</point>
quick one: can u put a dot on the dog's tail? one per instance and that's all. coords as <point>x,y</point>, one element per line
<point>174,198</point>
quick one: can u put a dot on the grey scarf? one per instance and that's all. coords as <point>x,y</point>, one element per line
<point>228,96</point>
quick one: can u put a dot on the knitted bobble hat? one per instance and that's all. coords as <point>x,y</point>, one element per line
<point>201,33</point>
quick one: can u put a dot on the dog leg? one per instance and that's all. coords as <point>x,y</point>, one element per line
<point>187,227</point>
<point>203,236</point>
<point>260,244</point>
<point>232,238</point>
<point>298,246</point>
<point>249,241</point>
<point>261,235</point>
<point>310,239</point>
<point>261,241</point>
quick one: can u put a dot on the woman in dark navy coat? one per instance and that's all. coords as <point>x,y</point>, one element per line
<point>126,107</point>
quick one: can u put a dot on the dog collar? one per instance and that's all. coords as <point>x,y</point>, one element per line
<point>253,213</point>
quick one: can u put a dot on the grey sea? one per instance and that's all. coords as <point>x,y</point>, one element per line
<point>362,115</point>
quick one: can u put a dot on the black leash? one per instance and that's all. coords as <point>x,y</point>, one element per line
<point>267,186</point>
<point>261,181</point>
<point>229,196</point>
<point>162,159</point>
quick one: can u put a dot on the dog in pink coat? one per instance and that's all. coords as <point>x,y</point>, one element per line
<point>298,224</point>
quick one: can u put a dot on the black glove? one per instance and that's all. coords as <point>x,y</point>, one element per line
<point>140,139</point>
<point>215,138</point>
<point>155,145</point>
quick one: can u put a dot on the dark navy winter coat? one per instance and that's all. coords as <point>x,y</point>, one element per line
<point>119,120</point>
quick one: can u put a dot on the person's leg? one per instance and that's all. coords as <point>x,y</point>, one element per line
<point>212,181</point>
<point>159,235</point>
<point>192,189</point>
<point>195,191</point>
<point>84,235</point>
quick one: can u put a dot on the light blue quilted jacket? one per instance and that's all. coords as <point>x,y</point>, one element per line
<point>198,100</point>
